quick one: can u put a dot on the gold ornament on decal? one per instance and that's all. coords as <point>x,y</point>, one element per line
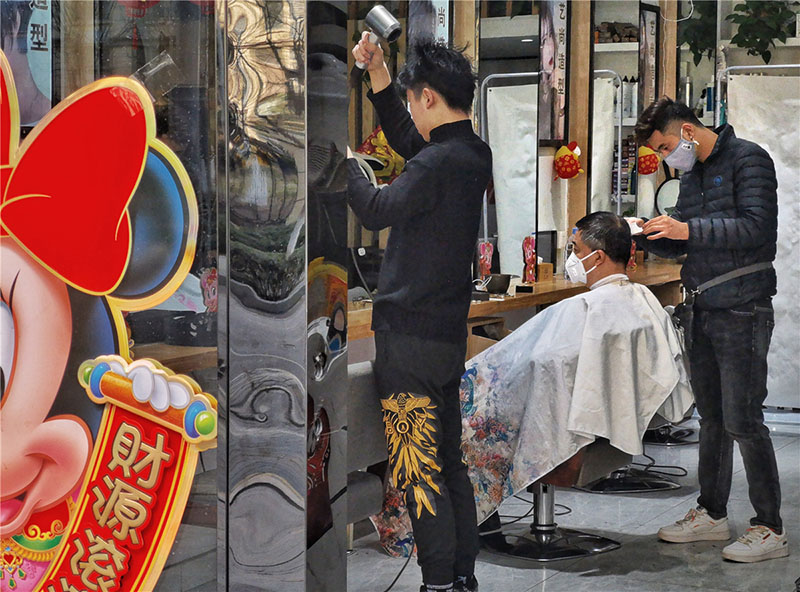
<point>412,447</point>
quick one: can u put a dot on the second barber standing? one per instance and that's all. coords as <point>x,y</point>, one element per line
<point>419,314</point>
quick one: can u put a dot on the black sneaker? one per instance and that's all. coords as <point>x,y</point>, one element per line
<point>448,588</point>
<point>464,584</point>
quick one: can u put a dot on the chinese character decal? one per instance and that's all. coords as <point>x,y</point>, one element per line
<point>97,217</point>
<point>27,38</point>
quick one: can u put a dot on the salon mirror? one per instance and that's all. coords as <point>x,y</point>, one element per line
<point>667,196</point>
<point>615,42</point>
<point>522,77</point>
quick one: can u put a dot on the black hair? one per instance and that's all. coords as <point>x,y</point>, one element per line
<point>607,232</point>
<point>441,68</point>
<point>659,115</point>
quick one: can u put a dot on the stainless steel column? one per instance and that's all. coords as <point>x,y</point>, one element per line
<point>262,188</point>
<point>283,295</point>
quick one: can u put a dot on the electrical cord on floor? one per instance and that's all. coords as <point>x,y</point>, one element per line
<point>400,573</point>
<point>652,467</point>
<point>567,510</point>
<point>515,518</point>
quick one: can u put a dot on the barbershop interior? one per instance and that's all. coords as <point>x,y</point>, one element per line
<point>251,380</point>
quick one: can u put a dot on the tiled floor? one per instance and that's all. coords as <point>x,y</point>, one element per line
<point>643,563</point>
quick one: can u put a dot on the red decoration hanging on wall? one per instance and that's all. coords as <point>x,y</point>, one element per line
<point>648,160</point>
<point>137,8</point>
<point>566,161</point>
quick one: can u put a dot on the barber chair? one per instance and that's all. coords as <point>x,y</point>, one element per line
<point>366,446</point>
<point>669,434</point>
<point>632,480</point>
<point>544,540</point>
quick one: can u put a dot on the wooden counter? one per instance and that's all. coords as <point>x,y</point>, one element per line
<point>662,278</point>
<point>181,359</point>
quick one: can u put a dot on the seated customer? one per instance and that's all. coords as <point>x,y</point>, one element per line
<point>599,364</point>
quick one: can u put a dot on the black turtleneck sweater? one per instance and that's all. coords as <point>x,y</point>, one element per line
<point>434,209</point>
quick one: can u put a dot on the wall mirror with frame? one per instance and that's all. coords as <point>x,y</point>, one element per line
<point>615,105</point>
<point>523,66</point>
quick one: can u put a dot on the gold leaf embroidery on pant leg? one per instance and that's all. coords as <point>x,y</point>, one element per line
<point>410,433</point>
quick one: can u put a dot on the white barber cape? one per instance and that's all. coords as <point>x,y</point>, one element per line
<point>599,364</point>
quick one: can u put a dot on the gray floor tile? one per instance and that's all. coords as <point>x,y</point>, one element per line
<point>643,563</point>
<point>369,568</point>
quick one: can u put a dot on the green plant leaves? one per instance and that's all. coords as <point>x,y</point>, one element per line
<point>760,24</point>
<point>700,32</point>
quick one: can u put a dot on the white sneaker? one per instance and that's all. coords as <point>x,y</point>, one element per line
<point>697,525</point>
<point>757,544</point>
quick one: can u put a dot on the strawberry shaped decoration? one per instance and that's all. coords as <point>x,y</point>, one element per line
<point>648,160</point>
<point>566,162</point>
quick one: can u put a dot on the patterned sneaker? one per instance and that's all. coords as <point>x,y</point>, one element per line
<point>757,544</point>
<point>466,584</point>
<point>697,525</point>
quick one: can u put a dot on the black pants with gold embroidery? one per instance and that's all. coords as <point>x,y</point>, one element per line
<point>418,381</point>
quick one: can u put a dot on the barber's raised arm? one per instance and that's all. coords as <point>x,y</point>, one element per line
<point>756,222</point>
<point>387,205</point>
<point>396,122</point>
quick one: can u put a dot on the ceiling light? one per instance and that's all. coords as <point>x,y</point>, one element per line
<point>526,40</point>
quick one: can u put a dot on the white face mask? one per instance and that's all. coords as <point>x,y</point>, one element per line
<point>684,156</point>
<point>575,270</point>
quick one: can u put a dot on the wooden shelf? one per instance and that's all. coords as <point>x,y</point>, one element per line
<point>616,47</point>
<point>178,358</point>
<point>663,278</point>
<point>790,42</point>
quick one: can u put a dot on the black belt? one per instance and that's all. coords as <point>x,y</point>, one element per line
<point>721,279</point>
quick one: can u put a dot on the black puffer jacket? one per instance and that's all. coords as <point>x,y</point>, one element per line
<point>731,205</point>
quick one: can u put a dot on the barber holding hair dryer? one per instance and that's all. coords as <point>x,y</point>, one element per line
<point>420,311</point>
<point>725,223</point>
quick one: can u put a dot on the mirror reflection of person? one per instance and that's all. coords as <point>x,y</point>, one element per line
<point>14,19</point>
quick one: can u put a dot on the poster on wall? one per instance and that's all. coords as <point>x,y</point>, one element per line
<point>648,56</point>
<point>429,19</point>
<point>26,37</point>
<point>553,40</point>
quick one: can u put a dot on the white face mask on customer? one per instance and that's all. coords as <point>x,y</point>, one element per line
<point>575,270</point>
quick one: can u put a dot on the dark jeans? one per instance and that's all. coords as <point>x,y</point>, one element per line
<point>424,438</point>
<point>729,378</point>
